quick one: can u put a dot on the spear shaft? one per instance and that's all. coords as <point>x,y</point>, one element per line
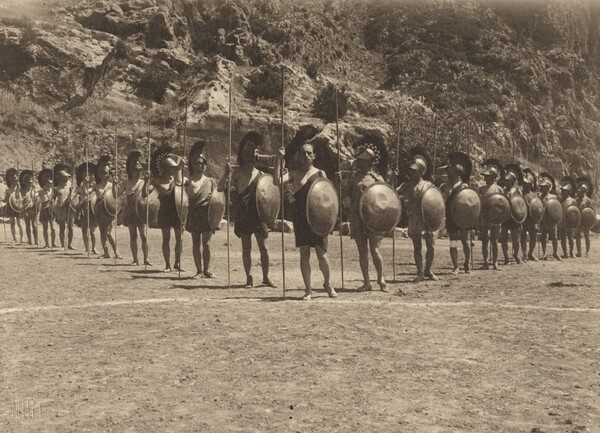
<point>181,216</point>
<point>229,184</point>
<point>337,142</point>
<point>394,230</point>
<point>88,205</point>
<point>147,202</point>
<point>115,191</point>
<point>281,183</point>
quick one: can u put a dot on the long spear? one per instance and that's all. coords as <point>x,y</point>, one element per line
<point>229,185</point>
<point>69,226</point>
<point>70,191</point>
<point>182,186</point>
<point>337,142</point>
<point>115,191</point>
<point>51,222</point>
<point>35,207</point>
<point>394,186</point>
<point>88,205</point>
<point>281,177</point>
<point>3,221</point>
<point>147,202</point>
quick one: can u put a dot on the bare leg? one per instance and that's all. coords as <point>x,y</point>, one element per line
<point>544,241</point>
<point>363,260</point>
<point>197,253</point>
<point>61,234</point>
<point>84,235</point>
<point>45,234</point>
<point>562,234</point>
<point>34,229</point>
<point>429,256</point>
<point>515,234</point>
<point>112,242</point>
<point>494,240</point>
<point>20,229</point>
<point>464,237</point>
<point>206,237</point>
<point>374,243</point>
<point>264,259</point>
<point>578,242</point>
<point>178,248</point>
<point>504,244</point>
<point>28,229</point>
<point>12,229</point>
<point>70,234</point>
<point>247,259</point>
<point>142,230</point>
<point>532,243</point>
<point>586,234</point>
<point>166,248</point>
<point>571,243</point>
<point>305,270</point>
<point>418,256</point>
<point>133,243</point>
<point>485,248</point>
<point>324,267</point>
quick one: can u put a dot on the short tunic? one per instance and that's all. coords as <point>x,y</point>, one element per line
<point>45,201</point>
<point>247,220</point>
<point>413,195</point>
<point>130,216</point>
<point>197,220</point>
<point>358,184</point>
<point>167,213</point>
<point>103,217</point>
<point>62,208</point>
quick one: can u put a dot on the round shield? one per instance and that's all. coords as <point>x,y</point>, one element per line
<point>76,202</point>
<point>433,208</point>
<point>588,218</point>
<point>151,206</point>
<point>536,208</point>
<point>110,203</point>
<point>380,208</point>
<point>268,199</point>
<point>322,206</point>
<point>496,209</point>
<point>465,208</point>
<point>518,209</point>
<point>572,217</point>
<point>15,200</point>
<point>553,212</point>
<point>182,203</point>
<point>216,209</point>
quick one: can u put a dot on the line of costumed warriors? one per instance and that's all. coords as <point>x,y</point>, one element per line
<point>510,209</point>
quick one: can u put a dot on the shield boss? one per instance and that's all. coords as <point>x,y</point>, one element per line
<point>518,209</point>
<point>465,208</point>
<point>322,206</point>
<point>497,209</point>
<point>268,200</point>
<point>536,209</point>
<point>380,208</point>
<point>433,209</point>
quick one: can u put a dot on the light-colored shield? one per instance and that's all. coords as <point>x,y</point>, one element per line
<point>433,208</point>
<point>182,203</point>
<point>518,209</point>
<point>216,209</point>
<point>536,208</point>
<point>15,201</point>
<point>465,208</point>
<point>153,206</point>
<point>322,206</point>
<point>380,208</point>
<point>553,212</point>
<point>268,200</point>
<point>588,218</point>
<point>110,203</point>
<point>572,217</point>
<point>496,209</point>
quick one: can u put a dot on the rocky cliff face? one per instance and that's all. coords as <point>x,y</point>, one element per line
<point>514,80</point>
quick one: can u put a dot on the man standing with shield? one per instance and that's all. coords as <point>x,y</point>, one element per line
<point>552,213</point>
<point>413,191</point>
<point>571,215</point>
<point>46,197</point>
<point>585,188</point>
<point>462,207</point>
<point>513,178</point>
<point>489,227</point>
<point>105,207</point>
<point>535,211</point>
<point>200,189</point>
<point>63,213</point>
<point>372,161</point>
<point>316,211</point>
<point>12,183</point>
<point>29,208</point>
<point>84,175</point>
<point>244,179</point>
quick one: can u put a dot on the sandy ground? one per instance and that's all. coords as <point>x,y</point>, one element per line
<point>88,345</point>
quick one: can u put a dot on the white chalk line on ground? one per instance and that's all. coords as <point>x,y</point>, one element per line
<point>461,304</point>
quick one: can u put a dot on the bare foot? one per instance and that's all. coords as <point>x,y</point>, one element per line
<point>330,291</point>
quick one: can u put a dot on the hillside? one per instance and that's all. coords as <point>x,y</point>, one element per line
<point>502,78</point>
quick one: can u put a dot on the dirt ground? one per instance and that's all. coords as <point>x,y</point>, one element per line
<point>88,345</point>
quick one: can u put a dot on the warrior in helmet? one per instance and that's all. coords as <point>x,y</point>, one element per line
<point>105,192</point>
<point>419,174</point>
<point>200,188</point>
<point>513,179</point>
<point>63,212</point>
<point>487,230</point>
<point>244,181</point>
<point>46,197</point>
<point>547,186</point>
<point>167,173</point>
<point>301,176</point>
<point>459,170</point>
<point>585,188</point>
<point>568,191</point>
<point>29,209</point>
<point>12,183</point>
<point>371,165</point>
<point>85,177</point>
<point>529,225</point>
<point>134,188</point>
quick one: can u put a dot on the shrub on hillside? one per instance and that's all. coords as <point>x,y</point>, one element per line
<point>265,83</point>
<point>324,105</point>
<point>122,49</point>
<point>154,82</point>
